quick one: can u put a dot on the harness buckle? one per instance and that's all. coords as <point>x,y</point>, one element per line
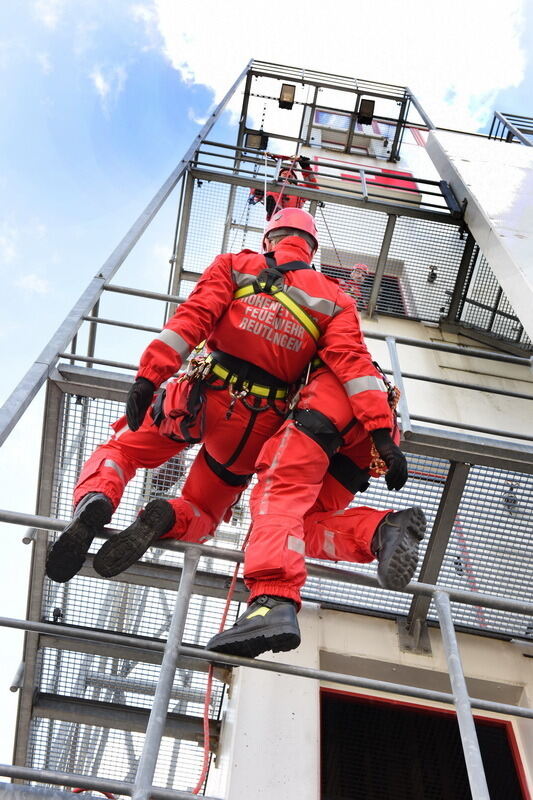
<point>235,395</point>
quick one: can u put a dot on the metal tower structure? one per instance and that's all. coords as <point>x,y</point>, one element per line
<point>113,674</point>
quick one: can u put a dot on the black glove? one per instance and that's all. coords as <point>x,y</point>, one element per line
<point>393,457</point>
<point>139,399</point>
<point>304,162</point>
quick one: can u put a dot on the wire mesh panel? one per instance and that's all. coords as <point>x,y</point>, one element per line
<point>491,548</point>
<point>110,753</point>
<point>486,308</point>
<point>421,267</point>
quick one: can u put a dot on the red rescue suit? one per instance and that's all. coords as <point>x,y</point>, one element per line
<point>279,200</point>
<point>234,432</point>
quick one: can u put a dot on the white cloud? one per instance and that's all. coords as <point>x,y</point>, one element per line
<point>194,117</point>
<point>99,82</point>
<point>108,83</point>
<point>45,62</point>
<point>8,244</point>
<point>445,53</point>
<point>48,12</point>
<point>33,283</point>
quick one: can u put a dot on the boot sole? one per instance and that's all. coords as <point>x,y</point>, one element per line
<point>124,549</point>
<point>251,645</point>
<point>401,564</point>
<point>68,554</point>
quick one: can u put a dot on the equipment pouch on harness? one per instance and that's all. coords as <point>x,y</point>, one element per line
<point>179,411</point>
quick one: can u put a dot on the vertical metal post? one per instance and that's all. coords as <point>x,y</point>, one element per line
<point>179,253</point>
<point>156,723</point>
<point>467,728</point>
<point>92,331</point>
<point>458,289</point>
<point>382,263</point>
<point>395,149</point>
<point>403,408</point>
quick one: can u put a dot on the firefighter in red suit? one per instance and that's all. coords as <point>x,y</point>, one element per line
<point>276,201</point>
<point>234,406</point>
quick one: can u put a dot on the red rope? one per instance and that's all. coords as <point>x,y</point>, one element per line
<point>209,686</point>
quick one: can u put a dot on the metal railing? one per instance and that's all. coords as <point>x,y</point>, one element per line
<point>511,128</point>
<point>335,181</point>
<point>392,341</point>
<point>142,787</point>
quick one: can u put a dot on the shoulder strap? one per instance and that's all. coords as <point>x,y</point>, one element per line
<point>265,284</point>
<point>290,266</point>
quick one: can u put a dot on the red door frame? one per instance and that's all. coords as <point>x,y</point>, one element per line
<point>504,723</point>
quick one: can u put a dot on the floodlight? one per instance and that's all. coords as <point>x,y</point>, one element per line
<point>286,97</point>
<point>365,114</point>
<point>256,140</point>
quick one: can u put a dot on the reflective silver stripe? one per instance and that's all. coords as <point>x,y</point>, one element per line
<point>242,278</point>
<point>329,544</point>
<point>122,430</point>
<point>293,543</point>
<point>369,382</point>
<point>109,463</point>
<point>175,341</point>
<point>196,510</point>
<point>319,304</point>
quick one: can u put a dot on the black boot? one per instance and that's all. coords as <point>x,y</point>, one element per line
<point>269,623</point>
<point>395,544</point>
<point>127,547</point>
<point>67,555</point>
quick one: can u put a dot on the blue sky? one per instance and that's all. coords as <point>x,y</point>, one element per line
<point>98,102</point>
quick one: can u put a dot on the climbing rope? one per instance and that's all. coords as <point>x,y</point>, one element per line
<point>331,237</point>
<point>209,685</point>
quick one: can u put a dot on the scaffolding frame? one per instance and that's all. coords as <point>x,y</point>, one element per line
<point>173,648</point>
<point>506,450</point>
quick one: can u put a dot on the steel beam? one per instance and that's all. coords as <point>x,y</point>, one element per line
<point>225,554</point>
<point>179,253</point>
<point>381,264</point>
<point>460,279</point>
<point>119,683</point>
<point>438,543</point>
<point>121,717</point>
<point>462,702</point>
<point>167,577</point>
<point>322,195</point>
<point>457,446</point>
<point>201,655</point>
<point>91,782</point>
<point>12,791</point>
<point>52,418</point>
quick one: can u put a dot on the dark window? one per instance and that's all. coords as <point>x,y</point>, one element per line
<point>378,750</point>
<point>390,299</point>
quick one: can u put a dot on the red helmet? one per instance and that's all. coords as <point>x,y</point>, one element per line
<point>359,272</point>
<point>294,218</point>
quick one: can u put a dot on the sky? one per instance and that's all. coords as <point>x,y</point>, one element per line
<point>99,101</point>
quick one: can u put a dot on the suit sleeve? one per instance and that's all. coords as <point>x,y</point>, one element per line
<point>342,347</point>
<point>191,324</point>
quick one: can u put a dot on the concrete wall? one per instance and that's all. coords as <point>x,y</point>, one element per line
<point>270,736</point>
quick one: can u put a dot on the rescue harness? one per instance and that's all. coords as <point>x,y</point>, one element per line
<point>268,281</point>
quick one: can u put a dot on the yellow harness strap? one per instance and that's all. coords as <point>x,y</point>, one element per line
<point>283,298</point>
<point>252,388</point>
